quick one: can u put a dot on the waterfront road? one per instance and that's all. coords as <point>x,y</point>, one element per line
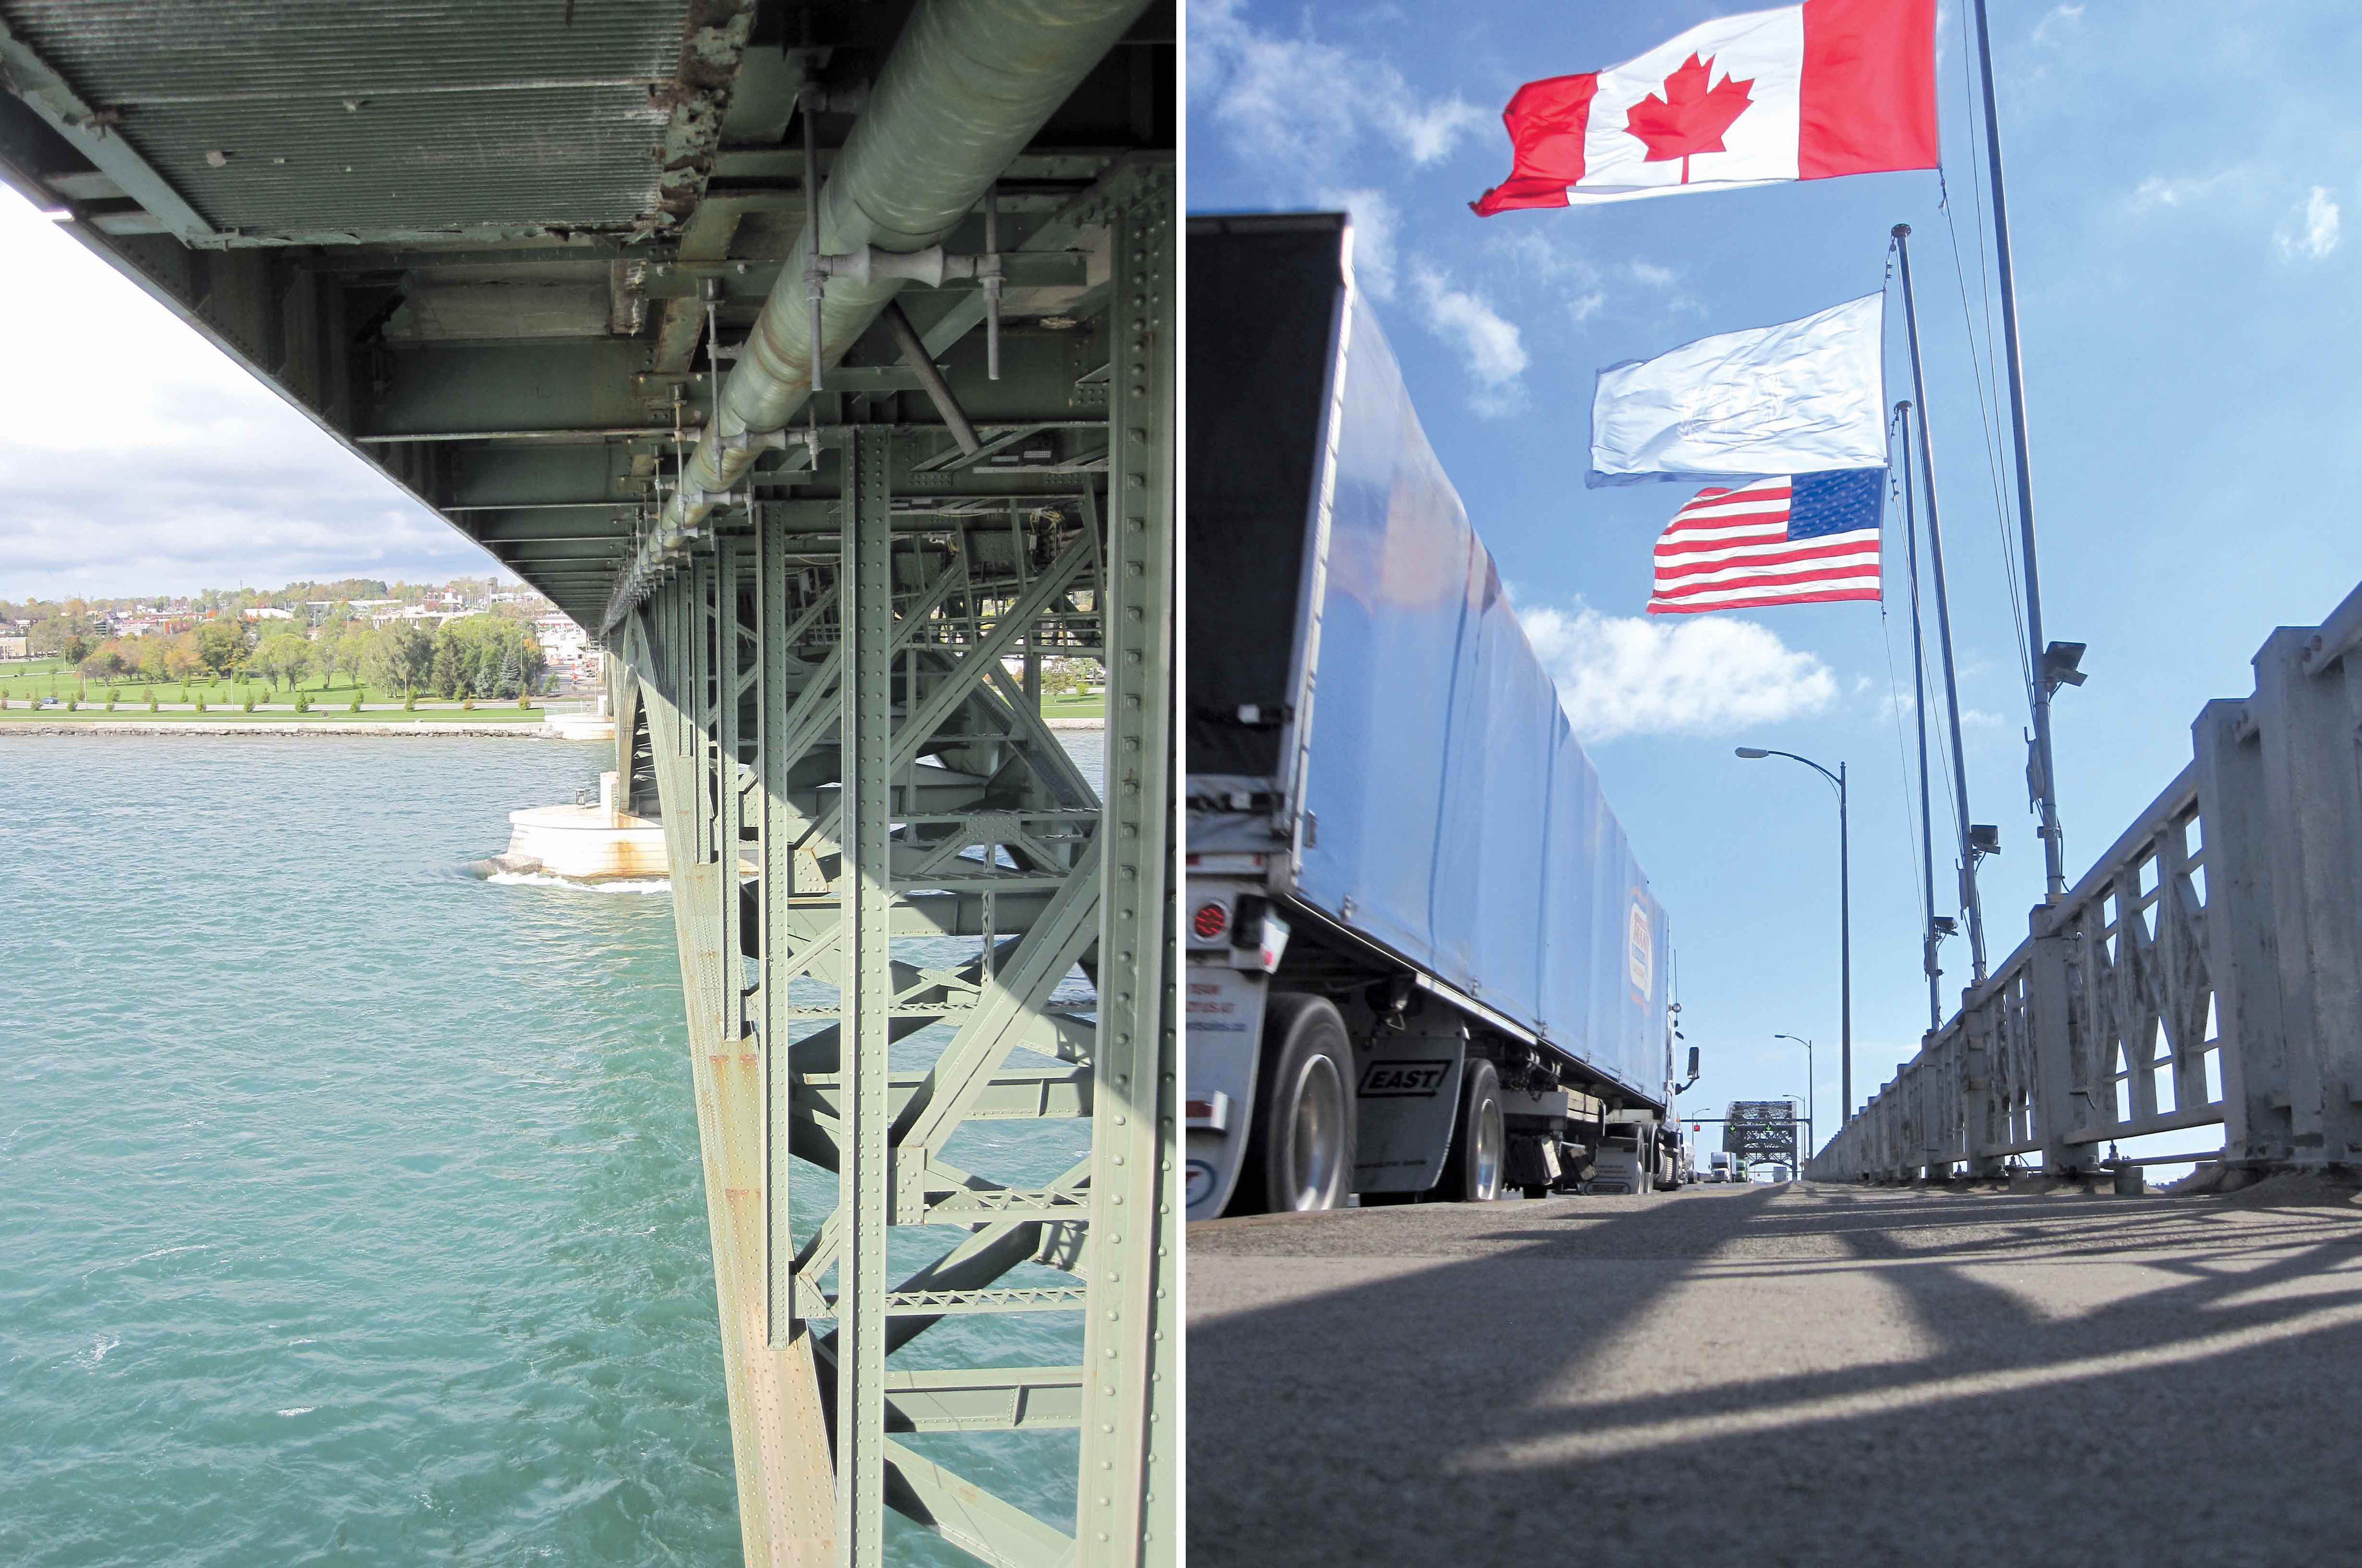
<point>1800,1375</point>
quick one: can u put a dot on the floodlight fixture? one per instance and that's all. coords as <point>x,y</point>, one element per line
<point>2061,665</point>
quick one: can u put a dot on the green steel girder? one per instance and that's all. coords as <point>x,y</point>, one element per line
<point>1129,1509</point>
<point>578,383</point>
<point>849,664</point>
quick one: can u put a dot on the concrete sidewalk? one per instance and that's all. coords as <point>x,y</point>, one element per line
<point>1799,1374</point>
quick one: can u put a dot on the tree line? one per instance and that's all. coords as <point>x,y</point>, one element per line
<point>474,656</point>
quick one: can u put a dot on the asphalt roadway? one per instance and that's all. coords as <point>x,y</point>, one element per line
<point>1799,1374</point>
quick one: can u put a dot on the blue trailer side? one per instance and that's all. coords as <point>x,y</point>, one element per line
<point>1390,817</point>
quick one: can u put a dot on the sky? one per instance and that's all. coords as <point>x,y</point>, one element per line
<point>2180,181</point>
<point>135,457</point>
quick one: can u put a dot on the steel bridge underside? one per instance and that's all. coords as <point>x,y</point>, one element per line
<point>513,258</point>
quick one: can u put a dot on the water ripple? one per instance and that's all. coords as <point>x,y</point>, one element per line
<point>350,1209</point>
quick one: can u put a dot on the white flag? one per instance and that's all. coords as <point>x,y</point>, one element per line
<point>1802,397</point>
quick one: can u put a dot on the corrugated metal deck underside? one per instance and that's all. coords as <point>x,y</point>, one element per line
<point>302,115</point>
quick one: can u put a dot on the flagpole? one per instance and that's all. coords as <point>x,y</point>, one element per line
<point>1968,898</point>
<point>2054,864</point>
<point>1928,938</point>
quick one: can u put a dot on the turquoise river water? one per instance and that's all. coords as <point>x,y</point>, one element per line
<point>349,1206</point>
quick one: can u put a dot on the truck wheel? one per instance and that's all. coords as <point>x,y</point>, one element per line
<point>1472,1173</point>
<point>1301,1151</point>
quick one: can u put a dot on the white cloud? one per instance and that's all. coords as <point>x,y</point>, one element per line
<point>2310,233</point>
<point>2062,23</point>
<point>1493,349</point>
<point>1307,105</point>
<point>1650,273</point>
<point>187,474</point>
<point>2162,190</point>
<point>1430,131</point>
<point>1535,255</point>
<point>1530,258</point>
<point>1620,675</point>
<point>1375,224</point>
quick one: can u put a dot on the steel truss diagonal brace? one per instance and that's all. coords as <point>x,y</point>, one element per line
<point>1011,997</point>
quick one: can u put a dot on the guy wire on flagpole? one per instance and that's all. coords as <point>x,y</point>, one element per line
<point>1885,625</point>
<point>1968,847</point>
<point>1987,394</point>
<point>2043,779</point>
<point>1988,405</point>
<point>1928,938</point>
<point>1893,682</point>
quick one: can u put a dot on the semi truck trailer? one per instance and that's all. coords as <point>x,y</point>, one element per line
<point>1422,961</point>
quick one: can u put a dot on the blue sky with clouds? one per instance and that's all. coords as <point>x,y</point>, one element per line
<point>135,457</point>
<point>2183,178</point>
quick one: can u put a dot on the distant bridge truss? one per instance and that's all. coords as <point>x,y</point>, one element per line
<point>1761,1132</point>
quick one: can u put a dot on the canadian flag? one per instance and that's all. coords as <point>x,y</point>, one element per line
<point>1807,92</point>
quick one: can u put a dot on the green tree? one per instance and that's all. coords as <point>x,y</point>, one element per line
<point>181,659</point>
<point>398,657</point>
<point>1066,676</point>
<point>485,655</point>
<point>284,656</point>
<point>336,648</point>
<point>450,673</point>
<point>221,645</point>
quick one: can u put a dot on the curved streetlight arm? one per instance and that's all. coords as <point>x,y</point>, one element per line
<point>1845,922</point>
<point>1752,752</point>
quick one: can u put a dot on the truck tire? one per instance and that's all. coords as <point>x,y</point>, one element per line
<point>1300,1153</point>
<point>1472,1172</point>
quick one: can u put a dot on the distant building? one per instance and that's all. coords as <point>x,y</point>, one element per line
<point>265,612</point>
<point>567,649</point>
<point>15,644</point>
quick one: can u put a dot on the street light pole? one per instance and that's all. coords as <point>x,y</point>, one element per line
<point>1811,1084</point>
<point>1845,919</point>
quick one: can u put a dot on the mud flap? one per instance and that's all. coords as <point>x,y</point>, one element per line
<point>1223,1020</point>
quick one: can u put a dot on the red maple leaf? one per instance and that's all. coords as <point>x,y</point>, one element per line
<point>1691,116</point>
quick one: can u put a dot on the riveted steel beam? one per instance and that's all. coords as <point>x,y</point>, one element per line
<point>905,793</point>
<point>1127,1514</point>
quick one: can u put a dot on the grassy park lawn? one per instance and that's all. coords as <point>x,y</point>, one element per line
<point>1093,706</point>
<point>21,683</point>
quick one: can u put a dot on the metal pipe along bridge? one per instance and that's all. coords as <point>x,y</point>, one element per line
<point>819,360</point>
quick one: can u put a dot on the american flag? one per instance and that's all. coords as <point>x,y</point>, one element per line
<point>1796,539</point>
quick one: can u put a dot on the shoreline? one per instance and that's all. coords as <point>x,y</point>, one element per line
<point>416,729</point>
<point>421,729</point>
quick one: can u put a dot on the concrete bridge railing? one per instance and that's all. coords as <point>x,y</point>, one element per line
<point>2207,969</point>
